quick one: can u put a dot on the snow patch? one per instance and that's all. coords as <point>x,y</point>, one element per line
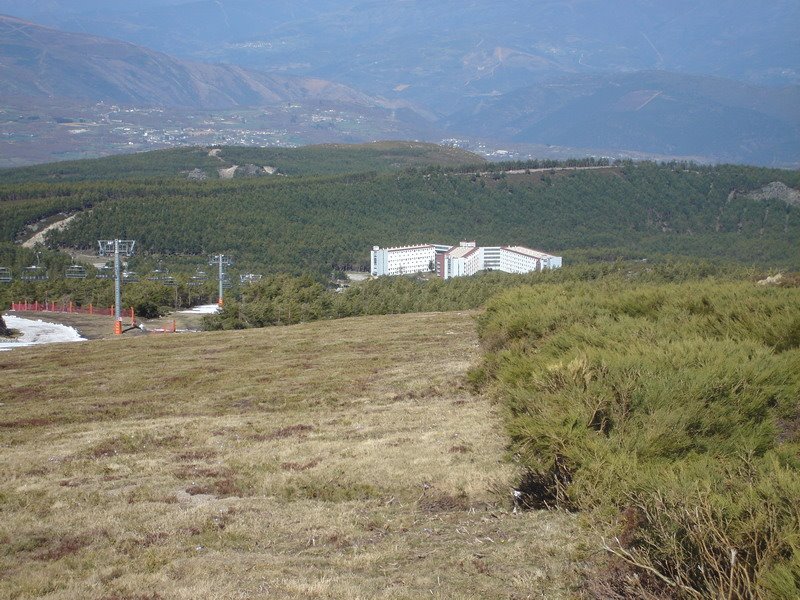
<point>203,309</point>
<point>38,332</point>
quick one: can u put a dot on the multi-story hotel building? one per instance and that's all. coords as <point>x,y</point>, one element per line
<point>459,261</point>
<point>402,260</point>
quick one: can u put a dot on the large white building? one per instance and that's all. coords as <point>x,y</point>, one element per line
<point>519,259</point>
<point>402,260</point>
<point>459,261</point>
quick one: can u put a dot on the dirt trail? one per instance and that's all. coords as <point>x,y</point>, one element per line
<point>38,237</point>
<point>228,173</point>
<point>542,170</point>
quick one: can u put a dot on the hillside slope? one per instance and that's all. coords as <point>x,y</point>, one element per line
<point>295,224</point>
<point>350,71</point>
<point>331,460</point>
<point>176,163</point>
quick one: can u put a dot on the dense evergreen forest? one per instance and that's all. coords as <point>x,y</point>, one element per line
<point>328,222</point>
<point>321,223</point>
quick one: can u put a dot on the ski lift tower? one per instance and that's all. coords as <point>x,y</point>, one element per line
<point>221,261</point>
<point>116,247</point>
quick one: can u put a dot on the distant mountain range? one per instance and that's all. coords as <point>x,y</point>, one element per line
<point>710,81</point>
<point>651,111</point>
<point>448,52</point>
<point>42,62</point>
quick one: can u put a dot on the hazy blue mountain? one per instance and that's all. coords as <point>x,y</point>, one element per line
<point>40,62</point>
<point>443,53</point>
<point>652,111</point>
<point>553,72</point>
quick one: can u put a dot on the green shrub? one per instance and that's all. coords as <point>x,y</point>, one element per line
<point>676,403</point>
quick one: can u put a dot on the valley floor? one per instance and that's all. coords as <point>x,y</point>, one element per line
<point>339,459</point>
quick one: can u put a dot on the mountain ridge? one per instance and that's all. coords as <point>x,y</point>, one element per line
<point>499,95</point>
<point>41,61</point>
<point>653,111</point>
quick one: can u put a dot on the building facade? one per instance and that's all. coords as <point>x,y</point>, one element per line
<point>459,261</point>
<point>402,260</point>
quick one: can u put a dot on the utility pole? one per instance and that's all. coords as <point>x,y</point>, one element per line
<point>221,261</point>
<point>117,247</point>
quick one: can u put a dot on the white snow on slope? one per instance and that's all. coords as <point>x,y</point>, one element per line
<point>37,332</point>
<point>203,309</point>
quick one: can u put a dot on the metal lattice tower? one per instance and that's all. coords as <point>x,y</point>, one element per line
<point>221,261</point>
<point>117,248</point>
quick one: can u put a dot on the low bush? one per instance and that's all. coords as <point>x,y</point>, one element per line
<point>671,410</point>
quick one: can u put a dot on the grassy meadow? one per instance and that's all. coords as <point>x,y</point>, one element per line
<point>338,459</point>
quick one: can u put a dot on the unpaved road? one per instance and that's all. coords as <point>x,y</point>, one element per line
<point>38,237</point>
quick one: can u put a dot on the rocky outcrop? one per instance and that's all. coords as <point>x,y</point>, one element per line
<point>778,191</point>
<point>197,175</point>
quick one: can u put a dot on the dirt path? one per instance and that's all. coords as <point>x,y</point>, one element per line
<point>228,173</point>
<point>542,170</point>
<point>38,237</point>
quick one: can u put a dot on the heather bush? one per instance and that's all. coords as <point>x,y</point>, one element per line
<point>677,405</point>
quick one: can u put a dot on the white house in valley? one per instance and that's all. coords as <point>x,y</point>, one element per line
<point>459,261</point>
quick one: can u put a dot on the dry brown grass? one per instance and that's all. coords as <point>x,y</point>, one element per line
<point>342,459</point>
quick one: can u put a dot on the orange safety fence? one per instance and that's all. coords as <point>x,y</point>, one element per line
<point>70,307</point>
<point>63,307</point>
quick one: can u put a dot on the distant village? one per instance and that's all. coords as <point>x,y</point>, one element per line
<point>458,261</point>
